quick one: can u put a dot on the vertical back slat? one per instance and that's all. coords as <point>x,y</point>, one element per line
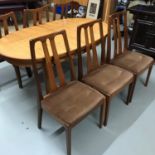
<point>119,36</point>
<point>62,11</point>
<point>72,6</point>
<point>47,14</point>
<point>54,11</point>
<point>36,75</point>
<point>66,10</point>
<point>94,50</point>
<point>57,63</point>
<point>5,26</point>
<point>109,40</point>
<point>25,19</point>
<point>103,42</point>
<point>15,21</point>
<point>49,68</point>
<point>40,14</point>
<point>89,64</point>
<point>115,37</point>
<point>34,16</point>
<point>125,32</point>
<point>69,55</point>
<point>79,51</point>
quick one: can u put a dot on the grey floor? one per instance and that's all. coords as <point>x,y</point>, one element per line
<point>19,134</point>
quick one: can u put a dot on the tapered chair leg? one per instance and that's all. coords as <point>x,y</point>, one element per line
<point>133,88</point>
<point>68,140</point>
<point>40,113</point>
<point>29,72</point>
<point>102,114</point>
<point>18,75</point>
<point>148,76</point>
<point>130,93</point>
<point>107,111</point>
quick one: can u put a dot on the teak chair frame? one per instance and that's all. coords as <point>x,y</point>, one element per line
<point>37,15</point>
<point>92,60</point>
<point>119,48</point>
<point>38,12</point>
<point>51,77</point>
<point>64,9</point>
<point>4,20</point>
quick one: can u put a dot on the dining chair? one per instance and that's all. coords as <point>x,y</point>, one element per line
<point>132,61</point>
<point>4,19</point>
<point>68,9</point>
<point>37,15</point>
<point>104,77</point>
<point>68,102</point>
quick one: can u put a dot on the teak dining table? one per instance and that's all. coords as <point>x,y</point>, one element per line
<point>15,49</point>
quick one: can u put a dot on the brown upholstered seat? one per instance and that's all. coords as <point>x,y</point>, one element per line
<point>133,61</point>
<point>108,79</point>
<point>72,102</point>
<point>68,102</point>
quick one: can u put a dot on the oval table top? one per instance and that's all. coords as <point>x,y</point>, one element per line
<point>15,47</point>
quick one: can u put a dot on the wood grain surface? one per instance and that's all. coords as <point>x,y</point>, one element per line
<point>15,47</point>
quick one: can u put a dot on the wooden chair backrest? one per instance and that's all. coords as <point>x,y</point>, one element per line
<point>4,22</point>
<point>114,29</point>
<point>91,46</point>
<point>48,61</point>
<point>65,8</point>
<point>37,15</point>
